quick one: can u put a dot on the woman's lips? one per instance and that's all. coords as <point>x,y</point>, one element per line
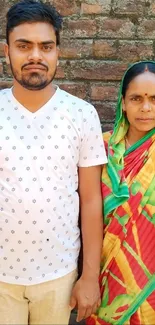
<point>145,119</point>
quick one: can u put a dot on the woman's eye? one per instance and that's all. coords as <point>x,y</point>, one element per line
<point>135,99</point>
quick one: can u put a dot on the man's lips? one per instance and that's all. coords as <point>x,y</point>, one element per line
<point>34,67</point>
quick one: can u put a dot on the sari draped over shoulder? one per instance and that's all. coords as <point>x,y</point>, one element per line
<point>127,276</point>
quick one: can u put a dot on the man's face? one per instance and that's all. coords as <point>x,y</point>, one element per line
<point>32,54</point>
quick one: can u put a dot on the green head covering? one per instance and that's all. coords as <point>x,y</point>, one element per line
<point>117,152</point>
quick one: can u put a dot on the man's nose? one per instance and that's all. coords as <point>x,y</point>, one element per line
<point>35,54</point>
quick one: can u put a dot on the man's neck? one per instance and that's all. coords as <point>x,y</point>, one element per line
<point>33,100</point>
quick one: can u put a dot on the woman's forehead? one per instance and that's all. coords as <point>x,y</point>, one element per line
<point>145,80</point>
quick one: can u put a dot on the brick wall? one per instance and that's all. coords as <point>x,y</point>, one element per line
<point>99,39</point>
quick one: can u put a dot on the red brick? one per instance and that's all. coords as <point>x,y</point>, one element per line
<point>66,7</point>
<point>107,127</point>
<point>129,7</point>
<point>76,49</point>
<point>151,8</point>
<point>106,111</point>
<point>8,70</point>
<point>1,49</point>
<point>4,6</point>
<point>79,28</point>
<point>146,28</point>
<point>96,6</point>
<point>5,84</point>
<point>104,92</point>
<point>115,28</point>
<point>1,69</point>
<point>132,50</point>
<point>96,70</point>
<point>90,9</point>
<point>79,90</point>
<point>60,74</point>
<point>104,49</point>
<point>135,50</point>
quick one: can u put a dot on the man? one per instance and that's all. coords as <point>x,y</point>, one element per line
<point>51,149</point>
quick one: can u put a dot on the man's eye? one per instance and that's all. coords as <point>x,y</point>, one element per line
<point>47,47</point>
<point>153,98</point>
<point>22,46</point>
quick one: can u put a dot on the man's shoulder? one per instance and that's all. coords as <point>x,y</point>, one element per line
<point>4,93</point>
<point>75,101</point>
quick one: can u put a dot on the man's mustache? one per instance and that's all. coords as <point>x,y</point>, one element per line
<point>32,63</point>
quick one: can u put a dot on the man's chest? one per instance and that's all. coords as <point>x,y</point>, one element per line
<point>43,142</point>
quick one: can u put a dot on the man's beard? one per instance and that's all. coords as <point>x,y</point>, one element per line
<point>34,81</point>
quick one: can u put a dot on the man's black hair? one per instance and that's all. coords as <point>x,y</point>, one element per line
<point>31,11</point>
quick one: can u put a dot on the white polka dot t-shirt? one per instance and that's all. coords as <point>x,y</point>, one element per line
<point>39,205</point>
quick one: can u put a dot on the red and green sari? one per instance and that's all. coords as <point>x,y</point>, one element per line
<point>127,276</point>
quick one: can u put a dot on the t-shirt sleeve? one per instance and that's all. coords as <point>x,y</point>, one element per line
<point>92,150</point>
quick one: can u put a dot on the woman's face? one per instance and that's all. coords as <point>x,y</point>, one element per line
<point>139,103</point>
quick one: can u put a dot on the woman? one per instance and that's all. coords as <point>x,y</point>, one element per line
<point>128,186</point>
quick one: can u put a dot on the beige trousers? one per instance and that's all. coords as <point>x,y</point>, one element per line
<point>41,304</point>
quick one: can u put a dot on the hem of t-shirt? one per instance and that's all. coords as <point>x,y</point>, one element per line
<point>39,280</point>
<point>94,162</point>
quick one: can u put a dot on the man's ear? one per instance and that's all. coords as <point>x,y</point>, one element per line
<point>6,52</point>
